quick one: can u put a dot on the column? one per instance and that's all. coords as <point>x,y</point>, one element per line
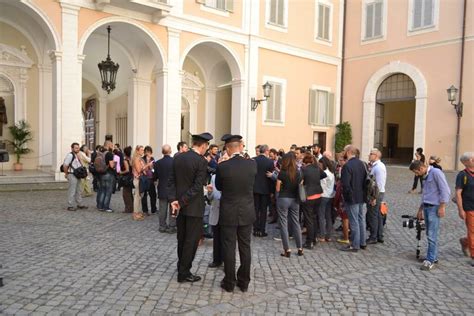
<point>138,119</point>
<point>239,109</point>
<point>251,61</point>
<point>210,117</point>
<point>173,113</point>
<point>20,107</point>
<point>420,122</point>
<point>101,128</point>
<point>161,82</point>
<point>368,128</point>
<point>45,116</point>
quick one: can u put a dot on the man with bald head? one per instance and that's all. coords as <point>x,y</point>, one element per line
<point>374,216</point>
<point>353,177</point>
<point>162,173</point>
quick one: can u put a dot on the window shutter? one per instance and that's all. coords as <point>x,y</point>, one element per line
<point>320,20</point>
<point>378,19</point>
<point>369,20</point>
<point>331,106</point>
<point>277,103</point>
<point>229,5</point>
<point>269,115</point>
<point>327,19</point>
<point>281,10</point>
<point>273,9</point>
<point>417,9</point>
<point>313,105</point>
<point>428,13</point>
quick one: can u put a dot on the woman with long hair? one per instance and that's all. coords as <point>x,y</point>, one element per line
<point>325,209</point>
<point>126,173</point>
<point>287,204</point>
<point>312,176</point>
<point>138,169</point>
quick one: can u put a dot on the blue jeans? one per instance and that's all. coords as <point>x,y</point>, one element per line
<point>357,224</point>
<point>432,221</point>
<point>106,187</point>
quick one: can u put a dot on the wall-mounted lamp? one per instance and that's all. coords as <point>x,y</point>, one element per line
<point>267,88</point>
<point>452,96</point>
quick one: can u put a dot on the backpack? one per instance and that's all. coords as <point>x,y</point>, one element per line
<point>61,167</point>
<point>371,191</point>
<point>99,163</point>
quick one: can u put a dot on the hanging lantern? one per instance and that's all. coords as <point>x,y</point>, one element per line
<point>108,69</point>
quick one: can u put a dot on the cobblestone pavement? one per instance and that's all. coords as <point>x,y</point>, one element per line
<point>86,262</point>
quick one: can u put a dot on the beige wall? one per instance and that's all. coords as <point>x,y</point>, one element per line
<point>52,10</point>
<point>301,74</point>
<point>301,29</point>
<point>14,38</point>
<point>192,7</point>
<point>403,114</point>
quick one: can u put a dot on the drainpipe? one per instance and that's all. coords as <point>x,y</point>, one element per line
<point>461,71</point>
<point>342,60</point>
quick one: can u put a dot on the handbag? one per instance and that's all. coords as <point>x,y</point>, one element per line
<point>80,172</point>
<point>302,192</point>
<point>143,183</point>
<point>126,181</point>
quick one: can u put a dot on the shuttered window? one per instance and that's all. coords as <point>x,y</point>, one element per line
<point>277,12</point>
<point>274,104</point>
<point>423,13</point>
<point>321,107</point>
<point>373,19</point>
<point>324,20</point>
<point>224,5</point>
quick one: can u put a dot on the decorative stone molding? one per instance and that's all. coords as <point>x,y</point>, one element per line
<point>191,86</point>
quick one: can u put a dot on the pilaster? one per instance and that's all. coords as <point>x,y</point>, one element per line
<point>173,114</point>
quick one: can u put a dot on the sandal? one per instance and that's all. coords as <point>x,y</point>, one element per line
<point>286,254</point>
<point>300,252</point>
<point>138,216</point>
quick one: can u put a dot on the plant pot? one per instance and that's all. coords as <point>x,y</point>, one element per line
<point>18,166</point>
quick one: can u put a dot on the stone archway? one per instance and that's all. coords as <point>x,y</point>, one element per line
<point>369,108</point>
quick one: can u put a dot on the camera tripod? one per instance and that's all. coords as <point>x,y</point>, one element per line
<point>418,238</point>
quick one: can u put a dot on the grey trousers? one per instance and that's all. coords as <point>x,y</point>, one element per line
<point>325,218</point>
<point>375,219</point>
<point>164,216</point>
<point>74,197</point>
<point>288,214</point>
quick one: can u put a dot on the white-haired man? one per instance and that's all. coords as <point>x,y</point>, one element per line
<point>374,216</point>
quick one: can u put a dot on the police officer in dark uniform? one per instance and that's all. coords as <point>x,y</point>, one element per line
<point>186,195</point>
<point>235,179</point>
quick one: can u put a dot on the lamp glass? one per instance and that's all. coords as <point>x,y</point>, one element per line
<point>266,89</point>
<point>452,93</point>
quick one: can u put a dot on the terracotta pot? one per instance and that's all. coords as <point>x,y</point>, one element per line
<point>18,166</point>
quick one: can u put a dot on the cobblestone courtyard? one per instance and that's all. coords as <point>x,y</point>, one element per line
<point>86,262</point>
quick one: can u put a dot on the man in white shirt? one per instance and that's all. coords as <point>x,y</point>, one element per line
<point>71,162</point>
<point>374,216</point>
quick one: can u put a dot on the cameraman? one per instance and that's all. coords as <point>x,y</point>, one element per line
<point>436,194</point>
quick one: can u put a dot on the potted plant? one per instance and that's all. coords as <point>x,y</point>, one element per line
<point>21,135</point>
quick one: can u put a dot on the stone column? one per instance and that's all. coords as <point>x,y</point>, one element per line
<point>210,117</point>
<point>251,63</point>
<point>173,113</point>
<point>101,129</point>
<point>45,112</point>
<point>138,119</point>
<point>368,128</point>
<point>239,109</point>
<point>161,82</point>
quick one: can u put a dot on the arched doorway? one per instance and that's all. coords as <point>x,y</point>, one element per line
<point>395,118</point>
<point>129,113</point>
<point>27,41</point>
<point>218,109</point>
<point>370,100</point>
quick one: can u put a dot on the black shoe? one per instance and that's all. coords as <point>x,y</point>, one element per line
<point>263,234</point>
<point>83,207</point>
<point>243,288</point>
<point>349,249</point>
<point>371,241</point>
<point>363,247</point>
<point>226,288</point>
<point>171,230</point>
<point>214,264</point>
<point>190,278</point>
<point>380,241</point>
<point>308,246</point>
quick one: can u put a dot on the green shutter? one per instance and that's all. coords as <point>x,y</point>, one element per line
<point>331,108</point>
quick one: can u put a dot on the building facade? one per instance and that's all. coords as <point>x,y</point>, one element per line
<point>188,66</point>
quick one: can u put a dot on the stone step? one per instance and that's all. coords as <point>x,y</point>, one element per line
<point>44,186</point>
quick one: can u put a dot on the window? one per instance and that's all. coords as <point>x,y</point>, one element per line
<point>274,108</point>
<point>423,14</point>
<point>324,21</point>
<point>321,107</point>
<point>373,19</point>
<point>276,12</point>
<point>222,5</point>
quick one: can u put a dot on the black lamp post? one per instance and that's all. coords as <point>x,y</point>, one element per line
<point>267,88</point>
<point>452,96</point>
<point>108,69</point>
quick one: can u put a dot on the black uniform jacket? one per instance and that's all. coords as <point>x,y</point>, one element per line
<point>235,178</point>
<point>186,181</point>
<point>263,184</point>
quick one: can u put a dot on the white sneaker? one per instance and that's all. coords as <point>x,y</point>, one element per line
<point>426,266</point>
<point>109,210</point>
<point>277,238</point>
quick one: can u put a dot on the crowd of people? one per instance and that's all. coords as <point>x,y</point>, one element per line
<point>304,190</point>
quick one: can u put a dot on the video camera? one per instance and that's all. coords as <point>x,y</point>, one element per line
<point>419,224</point>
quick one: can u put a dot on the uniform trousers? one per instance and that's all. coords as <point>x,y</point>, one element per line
<point>189,234</point>
<point>230,235</point>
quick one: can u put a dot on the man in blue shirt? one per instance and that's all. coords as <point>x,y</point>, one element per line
<point>436,194</point>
